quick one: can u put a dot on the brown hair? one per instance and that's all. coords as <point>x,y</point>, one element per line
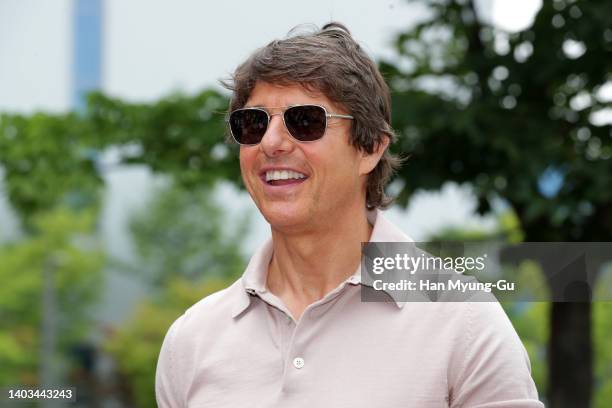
<point>329,61</point>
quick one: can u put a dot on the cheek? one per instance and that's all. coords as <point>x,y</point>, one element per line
<point>247,160</point>
<point>246,157</point>
<point>338,173</point>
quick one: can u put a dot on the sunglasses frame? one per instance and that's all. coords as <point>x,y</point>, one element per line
<point>282,114</point>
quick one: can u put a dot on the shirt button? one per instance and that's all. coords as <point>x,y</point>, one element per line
<point>298,362</point>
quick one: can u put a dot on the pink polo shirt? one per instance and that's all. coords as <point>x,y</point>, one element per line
<point>240,347</point>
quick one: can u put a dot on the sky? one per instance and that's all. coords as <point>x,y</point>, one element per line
<point>154,47</point>
<point>35,55</point>
<point>204,41</point>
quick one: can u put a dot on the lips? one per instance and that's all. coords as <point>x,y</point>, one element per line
<point>280,179</point>
<point>277,175</point>
<point>284,182</point>
<point>282,176</point>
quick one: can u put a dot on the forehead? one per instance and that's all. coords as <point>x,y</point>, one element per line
<point>265,94</point>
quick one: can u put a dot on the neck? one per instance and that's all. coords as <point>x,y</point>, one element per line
<point>306,266</point>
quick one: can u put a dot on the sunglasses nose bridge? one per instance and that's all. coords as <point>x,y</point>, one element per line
<point>277,136</point>
<point>271,118</point>
<point>282,119</point>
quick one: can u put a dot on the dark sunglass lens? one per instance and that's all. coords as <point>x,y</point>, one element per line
<point>306,123</point>
<point>248,125</point>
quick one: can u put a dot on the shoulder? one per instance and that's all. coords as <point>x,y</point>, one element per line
<point>488,317</point>
<point>209,315</point>
<point>490,356</point>
<point>487,332</point>
<point>187,336</point>
<point>214,309</point>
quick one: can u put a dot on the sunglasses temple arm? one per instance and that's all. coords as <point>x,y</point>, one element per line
<point>336,115</point>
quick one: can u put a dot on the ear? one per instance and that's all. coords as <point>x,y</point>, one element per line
<point>370,160</point>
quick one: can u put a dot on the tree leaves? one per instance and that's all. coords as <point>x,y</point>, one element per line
<point>508,119</point>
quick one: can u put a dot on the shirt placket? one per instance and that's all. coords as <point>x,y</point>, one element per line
<point>295,357</point>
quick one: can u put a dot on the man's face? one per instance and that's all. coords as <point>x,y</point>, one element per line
<point>334,171</point>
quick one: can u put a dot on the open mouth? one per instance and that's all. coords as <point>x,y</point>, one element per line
<point>283,177</point>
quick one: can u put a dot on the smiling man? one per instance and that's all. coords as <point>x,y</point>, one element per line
<point>311,114</point>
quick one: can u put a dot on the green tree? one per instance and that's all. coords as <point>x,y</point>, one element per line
<point>52,161</point>
<point>602,333</point>
<point>52,184</point>
<point>63,243</point>
<point>180,135</point>
<point>182,233</point>
<point>48,161</point>
<point>512,115</point>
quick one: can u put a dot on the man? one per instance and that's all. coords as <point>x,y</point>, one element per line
<point>312,116</point>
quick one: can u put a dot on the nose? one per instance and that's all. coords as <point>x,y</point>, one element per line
<point>276,141</point>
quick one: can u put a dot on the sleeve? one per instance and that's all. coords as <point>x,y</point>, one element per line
<point>167,391</point>
<point>492,368</point>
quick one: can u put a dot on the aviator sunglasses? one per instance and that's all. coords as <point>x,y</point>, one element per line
<point>305,123</point>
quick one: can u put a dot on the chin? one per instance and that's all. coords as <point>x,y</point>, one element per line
<point>283,216</point>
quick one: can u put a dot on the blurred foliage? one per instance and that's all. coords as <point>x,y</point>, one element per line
<point>57,159</point>
<point>508,229</point>
<point>602,330</point>
<point>180,136</point>
<point>54,159</point>
<point>531,323</point>
<point>52,183</point>
<point>182,233</point>
<point>63,244</point>
<point>48,161</point>
<point>136,344</point>
<point>53,166</point>
<point>509,112</point>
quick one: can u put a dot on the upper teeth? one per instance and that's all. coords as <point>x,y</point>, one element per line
<point>283,175</point>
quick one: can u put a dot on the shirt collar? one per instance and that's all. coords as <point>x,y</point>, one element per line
<point>254,278</point>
